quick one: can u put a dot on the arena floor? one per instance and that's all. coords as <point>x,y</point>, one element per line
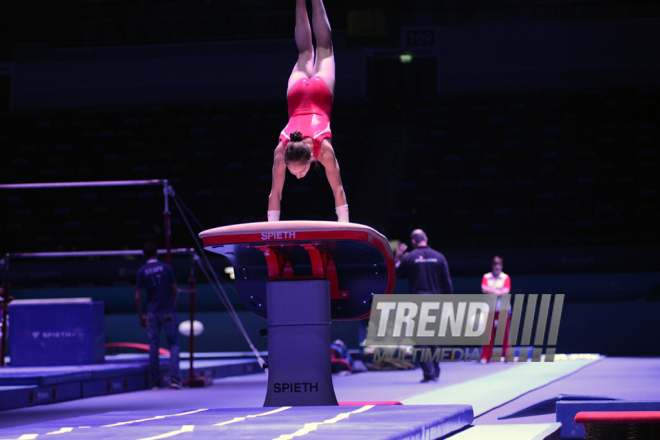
<point>492,390</point>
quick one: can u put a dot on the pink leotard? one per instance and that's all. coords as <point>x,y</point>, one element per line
<point>310,105</point>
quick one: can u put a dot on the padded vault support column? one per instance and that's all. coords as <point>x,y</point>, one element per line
<point>299,368</point>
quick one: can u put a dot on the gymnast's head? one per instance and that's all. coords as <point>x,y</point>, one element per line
<point>298,155</point>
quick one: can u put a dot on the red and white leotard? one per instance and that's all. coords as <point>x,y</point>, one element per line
<point>310,105</point>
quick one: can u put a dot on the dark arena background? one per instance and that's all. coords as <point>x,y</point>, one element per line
<point>526,129</point>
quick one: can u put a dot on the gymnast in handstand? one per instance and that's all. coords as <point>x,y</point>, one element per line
<point>307,138</point>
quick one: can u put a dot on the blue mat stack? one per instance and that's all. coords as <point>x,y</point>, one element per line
<point>27,386</point>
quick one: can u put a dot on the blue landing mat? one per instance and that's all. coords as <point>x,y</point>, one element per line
<point>28,386</point>
<point>372,422</point>
<point>43,376</point>
<point>12,397</point>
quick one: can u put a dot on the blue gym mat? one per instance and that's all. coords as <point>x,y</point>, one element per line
<point>372,422</point>
<point>28,386</point>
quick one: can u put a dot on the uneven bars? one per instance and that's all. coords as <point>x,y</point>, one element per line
<point>163,182</point>
<point>82,184</point>
<point>93,253</point>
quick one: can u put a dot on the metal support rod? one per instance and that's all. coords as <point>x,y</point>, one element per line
<point>4,299</point>
<point>5,327</point>
<point>193,292</point>
<point>74,254</point>
<point>81,184</point>
<point>168,229</point>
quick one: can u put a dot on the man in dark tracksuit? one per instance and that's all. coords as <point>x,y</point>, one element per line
<point>427,273</point>
<point>158,280</point>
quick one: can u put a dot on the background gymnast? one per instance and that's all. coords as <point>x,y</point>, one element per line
<point>307,138</point>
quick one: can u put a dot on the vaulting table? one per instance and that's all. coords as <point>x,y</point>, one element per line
<point>301,275</point>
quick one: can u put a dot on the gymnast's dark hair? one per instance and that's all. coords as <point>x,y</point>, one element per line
<point>296,150</point>
<point>150,250</point>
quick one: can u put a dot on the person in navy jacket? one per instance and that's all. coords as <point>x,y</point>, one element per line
<point>157,279</point>
<point>428,273</point>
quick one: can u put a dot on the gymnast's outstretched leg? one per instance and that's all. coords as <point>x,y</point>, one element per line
<point>304,67</point>
<point>324,65</point>
<point>324,68</point>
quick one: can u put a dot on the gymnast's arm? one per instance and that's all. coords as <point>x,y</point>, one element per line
<point>279,173</point>
<point>329,162</point>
